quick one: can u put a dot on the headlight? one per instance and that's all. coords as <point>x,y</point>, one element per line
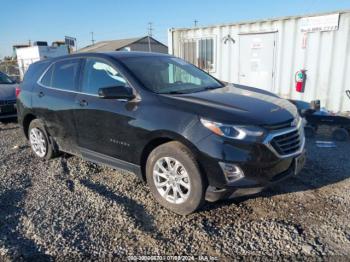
<point>232,131</point>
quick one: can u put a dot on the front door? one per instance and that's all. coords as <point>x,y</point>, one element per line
<point>256,60</point>
<point>103,124</point>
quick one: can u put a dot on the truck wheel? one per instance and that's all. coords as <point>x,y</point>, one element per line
<point>174,178</point>
<point>310,131</point>
<point>340,134</point>
<point>39,140</point>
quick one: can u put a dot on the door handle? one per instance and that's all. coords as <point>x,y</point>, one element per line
<point>83,103</point>
<point>41,94</point>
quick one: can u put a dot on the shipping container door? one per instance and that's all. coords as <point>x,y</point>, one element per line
<point>256,60</point>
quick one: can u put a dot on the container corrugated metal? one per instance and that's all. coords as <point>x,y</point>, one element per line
<point>324,54</point>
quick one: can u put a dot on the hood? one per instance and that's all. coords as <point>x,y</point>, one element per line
<point>236,104</point>
<point>7,92</point>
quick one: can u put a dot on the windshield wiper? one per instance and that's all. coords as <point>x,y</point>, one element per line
<point>177,92</point>
<point>191,90</point>
<point>211,87</point>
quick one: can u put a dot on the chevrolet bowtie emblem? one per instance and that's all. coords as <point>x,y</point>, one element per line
<point>294,123</point>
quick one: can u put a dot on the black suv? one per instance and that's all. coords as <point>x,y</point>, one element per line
<point>190,136</point>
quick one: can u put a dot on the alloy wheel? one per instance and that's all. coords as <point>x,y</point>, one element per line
<point>38,142</point>
<point>171,180</point>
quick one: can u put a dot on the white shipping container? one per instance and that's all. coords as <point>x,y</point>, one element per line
<point>266,54</point>
<point>29,55</point>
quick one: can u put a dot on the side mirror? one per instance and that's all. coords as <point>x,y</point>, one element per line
<point>116,92</point>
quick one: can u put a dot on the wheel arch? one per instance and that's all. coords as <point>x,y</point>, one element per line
<point>162,137</point>
<point>26,122</point>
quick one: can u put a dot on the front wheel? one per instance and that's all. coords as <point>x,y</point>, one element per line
<point>174,178</point>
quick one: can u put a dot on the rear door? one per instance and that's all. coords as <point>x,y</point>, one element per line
<point>256,60</point>
<point>54,101</point>
<point>103,125</point>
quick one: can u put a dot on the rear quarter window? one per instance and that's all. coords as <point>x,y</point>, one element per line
<point>34,71</point>
<point>62,75</point>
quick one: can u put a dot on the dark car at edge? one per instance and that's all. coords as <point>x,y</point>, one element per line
<point>188,135</point>
<point>8,89</point>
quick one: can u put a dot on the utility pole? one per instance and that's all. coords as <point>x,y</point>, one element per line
<point>195,22</point>
<point>92,38</point>
<point>150,29</point>
<point>150,33</point>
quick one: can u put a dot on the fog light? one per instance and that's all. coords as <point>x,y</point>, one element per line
<point>232,172</point>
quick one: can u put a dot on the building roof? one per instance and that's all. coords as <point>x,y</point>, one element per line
<point>113,45</point>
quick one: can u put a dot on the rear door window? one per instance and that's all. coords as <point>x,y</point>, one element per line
<point>62,75</point>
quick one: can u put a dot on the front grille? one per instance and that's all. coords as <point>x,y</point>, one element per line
<point>7,102</point>
<point>9,109</point>
<point>288,143</point>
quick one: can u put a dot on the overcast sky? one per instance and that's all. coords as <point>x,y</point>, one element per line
<point>21,21</point>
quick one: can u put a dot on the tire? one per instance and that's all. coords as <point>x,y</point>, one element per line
<point>340,134</point>
<point>310,131</point>
<point>46,150</point>
<point>192,186</point>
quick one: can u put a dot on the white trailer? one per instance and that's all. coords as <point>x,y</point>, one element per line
<point>267,54</point>
<point>31,54</point>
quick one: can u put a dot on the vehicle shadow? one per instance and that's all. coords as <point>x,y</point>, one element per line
<point>134,210</point>
<point>5,122</point>
<point>9,120</point>
<point>21,248</point>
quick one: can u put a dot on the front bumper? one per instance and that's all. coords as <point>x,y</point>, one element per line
<point>261,164</point>
<point>8,111</point>
<point>238,189</point>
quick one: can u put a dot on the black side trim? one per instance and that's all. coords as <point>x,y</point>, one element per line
<point>99,158</point>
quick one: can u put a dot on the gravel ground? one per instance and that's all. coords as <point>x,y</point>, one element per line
<point>68,207</point>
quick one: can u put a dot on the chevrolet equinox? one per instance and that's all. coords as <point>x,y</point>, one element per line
<point>190,136</point>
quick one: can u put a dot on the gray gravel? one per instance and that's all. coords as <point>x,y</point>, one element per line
<point>68,207</point>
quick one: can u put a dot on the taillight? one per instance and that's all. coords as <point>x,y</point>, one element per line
<point>18,90</point>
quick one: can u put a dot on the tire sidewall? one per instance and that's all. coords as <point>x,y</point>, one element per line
<point>184,156</point>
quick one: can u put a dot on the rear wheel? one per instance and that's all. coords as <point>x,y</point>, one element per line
<point>39,140</point>
<point>174,178</point>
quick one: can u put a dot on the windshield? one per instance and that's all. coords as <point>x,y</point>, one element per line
<point>169,75</point>
<point>4,79</point>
